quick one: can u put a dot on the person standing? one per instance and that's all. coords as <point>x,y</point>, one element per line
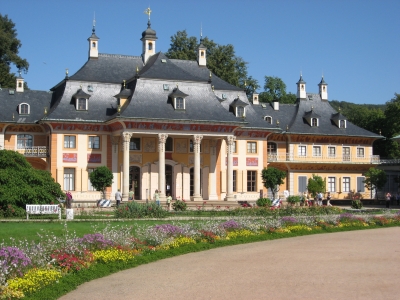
<point>328,199</point>
<point>320,196</point>
<point>156,197</point>
<point>169,199</point>
<point>388,196</point>
<point>68,200</point>
<point>118,197</point>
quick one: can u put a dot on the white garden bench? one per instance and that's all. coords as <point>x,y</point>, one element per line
<point>43,209</point>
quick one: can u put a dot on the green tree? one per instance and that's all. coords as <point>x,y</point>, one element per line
<point>316,185</point>
<point>21,184</point>
<point>375,180</point>
<point>275,89</point>
<point>9,47</point>
<point>101,178</point>
<point>392,113</point>
<point>221,59</point>
<point>272,179</point>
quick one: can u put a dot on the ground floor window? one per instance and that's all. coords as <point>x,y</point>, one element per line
<point>302,184</point>
<point>69,179</point>
<point>331,184</point>
<point>251,181</point>
<point>346,184</point>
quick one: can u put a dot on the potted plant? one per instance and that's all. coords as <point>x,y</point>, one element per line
<point>293,200</point>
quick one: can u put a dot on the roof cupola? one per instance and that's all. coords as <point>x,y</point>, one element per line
<point>323,89</point>
<point>301,88</point>
<point>20,83</point>
<point>202,52</point>
<point>93,43</point>
<point>148,39</point>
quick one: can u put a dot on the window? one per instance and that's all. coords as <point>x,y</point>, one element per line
<point>314,122</point>
<point>82,104</point>
<point>317,151</point>
<point>150,46</point>
<point>202,53</point>
<point>302,184</point>
<point>251,181</point>
<point>251,147</point>
<point>90,186</point>
<point>360,184</point>
<point>331,184</point>
<point>93,45</point>
<point>134,144</point>
<point>169,144</point>
<point>268,119</point>
<point>166,87</point>
<point>234,180</point>
<point>234,147</point>
<point>24,141</point>
<point>302,150</point>
<point>191,146</point>
<point>24,109</point>
<point>346,184</point>
<point>94,142</point>
<point>224,96</point>
<point>69,179</point>
<point>69,141</point>
<point>346,153</point>
<point>240,111</point>
<point>360,152</point>
<point>179,103</point>
<point>271,151</point>
<point>331,151</point>
<point>342,123</point>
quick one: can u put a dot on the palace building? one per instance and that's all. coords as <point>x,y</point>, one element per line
<point>172,125</point>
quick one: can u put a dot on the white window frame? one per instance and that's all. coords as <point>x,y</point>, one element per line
<point>252,182</point>
<point>24,105</point>
<point>251,147</point>
<point>331,184</point>
<point>346,187</point>
<point>332,155</point>
<point>78,106</point>
<point>312,122</point>
<point>360,149</point>
<point>314,152</point>
<point>92,144</point>
<point>24,141</point>
<point>69,179</point>
<point>68,143</point>
<point>300,151</point>
<point>240,111</point>
<point>342,124</point>
<point>346,157</point>
<point>268,119</point>
<point>178,101</point>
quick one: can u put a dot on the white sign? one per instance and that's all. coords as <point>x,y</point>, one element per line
<point>286,193</point>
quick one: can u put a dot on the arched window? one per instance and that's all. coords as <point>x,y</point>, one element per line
<point>20,84</point>
<point>94,45</point>
<point>268,119</point>
<point>202,53</point>
<point>150,46</point>
<point>24,141</point>
<point>24,109</point>
<point>169,144</point>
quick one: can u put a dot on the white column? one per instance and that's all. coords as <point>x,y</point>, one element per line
<point>162,138</point>
<point>114,155</point>
<point>213,169</point>
<point>126,138</point>
<point>196,149</point>
<point>229,181</point>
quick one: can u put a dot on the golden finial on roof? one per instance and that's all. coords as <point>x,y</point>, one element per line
<point>212,87</point>
<point>66,71</point>
<point>119,109</point>
<point>124,82</point>
<point>245,83</point>
<point>45,110</point>
<point>137,70</point>
<point>339,109</point>
<point>13,117</point>
<point>148,12</point>
<point>287,127</point>
<point>277,122</point>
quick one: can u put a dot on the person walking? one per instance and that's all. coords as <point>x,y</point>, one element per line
<point>169,199</point>
<point>118,197</point>
<point>320,196</point>
<point>388,196</point>
<point>131,194</point>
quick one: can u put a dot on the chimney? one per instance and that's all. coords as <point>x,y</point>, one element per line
<point>275,105</point>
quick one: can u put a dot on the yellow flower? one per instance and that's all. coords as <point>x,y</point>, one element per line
<point>34,280</point>
<point>113,254</point>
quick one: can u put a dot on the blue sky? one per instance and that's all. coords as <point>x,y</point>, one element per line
<point>353,43</point>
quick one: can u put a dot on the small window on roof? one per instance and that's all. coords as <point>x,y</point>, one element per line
<point>90,88</point>
<point>166,87</point>
<point>342,123</point>
<point>179,103</point>
<point>268,119</point>
<point>240,111</point>
<point>81,104</point>
<point>314,122</point>
<point>24,109</point>
<point>223,96</point>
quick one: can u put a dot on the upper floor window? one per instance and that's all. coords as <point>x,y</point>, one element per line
<point>314,122</point>
<point>134,144</point>
<point>94,142</point>
<point>69,141</point>
<point>268,119</point>
<point>240,111</point>
<point>317,151</point>
<point>360,152</point>
<point>24,109</point>
<point>251,147</point>
<point>302,150</point>
<point>331,151</point>
<point>81,104</point>
<point>24,141</point>
<point>346,153</point>
<point>271,148</point>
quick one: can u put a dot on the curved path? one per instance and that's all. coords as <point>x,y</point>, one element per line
<point>346,265</point>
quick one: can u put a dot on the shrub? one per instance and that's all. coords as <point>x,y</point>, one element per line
<point>293,199</point>
<point>356,204</point>
<point>140,210</point>
<point>12,211</point>
<point>179,205</point>
<point>264,202</point>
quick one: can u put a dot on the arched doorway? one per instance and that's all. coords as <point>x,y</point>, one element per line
<point>134,181</point>
<point>168,180</point>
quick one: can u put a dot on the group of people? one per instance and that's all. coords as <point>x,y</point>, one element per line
<point>317,200</point>
<point>389,197</point>
<point>156,198</point>
<point>118,196</point>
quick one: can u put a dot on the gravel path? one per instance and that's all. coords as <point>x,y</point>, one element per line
<point>346,265</point>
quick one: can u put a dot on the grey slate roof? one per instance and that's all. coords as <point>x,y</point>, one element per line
<point>292,115</point>
<point>37,101</point>
<point>110,68</point>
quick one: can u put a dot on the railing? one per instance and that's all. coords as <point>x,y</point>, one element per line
<point>374,159</point>
<point>392,161</point>
<point>37,151</point>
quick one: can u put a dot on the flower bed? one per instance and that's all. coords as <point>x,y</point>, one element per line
<point>27,267</point>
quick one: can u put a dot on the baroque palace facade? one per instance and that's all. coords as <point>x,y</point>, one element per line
<point>172,125</point>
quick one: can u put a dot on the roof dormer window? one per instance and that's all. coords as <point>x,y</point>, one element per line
<point>81,104</point>
<point>81,100</point>
<point>268,119</point>
<point>342,123</point>
<point>240,111</point>
<point>239,107</point>
<point>314,122</point>
<point>312,117</point>
<point>24,109</point>
<point>339,120</point>
<point>178,99</point>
